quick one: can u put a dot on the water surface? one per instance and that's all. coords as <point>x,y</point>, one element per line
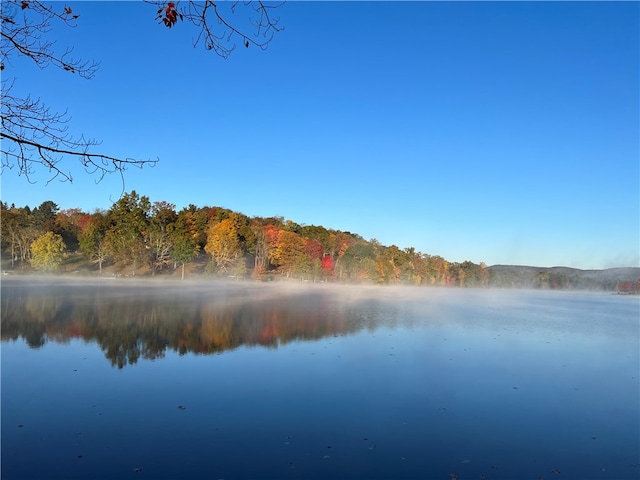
<point>120,379</point>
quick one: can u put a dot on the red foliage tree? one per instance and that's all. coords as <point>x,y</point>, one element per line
<point>327,266</point>
<point>314,250</point>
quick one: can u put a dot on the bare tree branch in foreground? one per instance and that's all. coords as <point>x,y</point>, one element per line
<point>218,25</point>
<point>34,137</point>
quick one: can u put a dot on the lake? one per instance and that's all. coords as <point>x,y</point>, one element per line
<point>117,379</point>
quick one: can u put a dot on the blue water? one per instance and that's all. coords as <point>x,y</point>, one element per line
<point>125,380</point>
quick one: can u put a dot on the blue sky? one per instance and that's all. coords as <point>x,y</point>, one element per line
<point>504,133</point>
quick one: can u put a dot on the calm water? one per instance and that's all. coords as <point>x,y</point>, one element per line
<point>157,380</point>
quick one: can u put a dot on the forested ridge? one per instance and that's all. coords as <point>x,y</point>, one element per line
<point>139,237</point>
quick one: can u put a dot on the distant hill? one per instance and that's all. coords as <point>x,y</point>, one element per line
<point>519,276</point>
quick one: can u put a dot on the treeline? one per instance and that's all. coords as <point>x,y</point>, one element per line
<point>136,236</point>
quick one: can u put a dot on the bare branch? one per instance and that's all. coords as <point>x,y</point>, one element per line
<point>218,23</point>
<point>93,162</point>
<point>32,135</point>
<point>35,137</point>
<point>24,32</point>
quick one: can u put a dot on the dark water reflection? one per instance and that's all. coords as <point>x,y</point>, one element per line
<point>268,381</point>
<point>133,320</point>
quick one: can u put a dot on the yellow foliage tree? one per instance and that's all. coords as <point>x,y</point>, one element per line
<point>223,244</point>
<point>47,252</point>
<point>289,254</point>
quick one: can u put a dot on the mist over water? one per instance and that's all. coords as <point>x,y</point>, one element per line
<point>163,379</point>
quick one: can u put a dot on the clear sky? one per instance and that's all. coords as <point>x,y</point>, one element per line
<point>504,133</point>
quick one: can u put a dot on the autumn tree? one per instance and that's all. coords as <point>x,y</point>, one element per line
<point>387,260</point>
<point>265,239</point>
<point>92,239</point>
<point>47,252</point>
<point>195,221</point>
<point>315,253</point>
<point>420,271</point>
<point>69,223</point>
<point>223,244</point>
<point>19,230</point>
<point>313,249</point>
<point>36,138</point>
<point>246,236</point>
<point>319,234</point>
<point>358,262</point>
<point>409,265</point>
<point>469,274</point>
<point>21,226</point>
<point>339,242</point>
<point>328,267</point>
<point>290,255</point>
<point>436,270</point>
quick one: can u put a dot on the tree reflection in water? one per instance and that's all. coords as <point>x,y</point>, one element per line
<point>132,320</point>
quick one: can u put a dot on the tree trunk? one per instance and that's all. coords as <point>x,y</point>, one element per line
<point>182,270</point>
